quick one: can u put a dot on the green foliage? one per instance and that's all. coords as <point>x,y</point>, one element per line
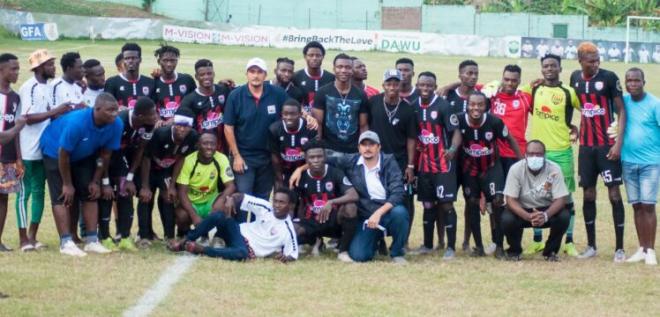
<point>146,5</point>
<point>76,7</point>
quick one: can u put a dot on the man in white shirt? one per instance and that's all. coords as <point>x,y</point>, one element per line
<point>94,79</point>
<point>272,233</point>
<point>67,88</point>
<point>644,55</point>
<point>36,107</point>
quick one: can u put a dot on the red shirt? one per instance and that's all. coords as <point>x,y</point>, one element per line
<point>370,91</point>
<point>513,110</point>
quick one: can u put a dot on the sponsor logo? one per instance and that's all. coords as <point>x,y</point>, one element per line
<point>591,110</point>
<point>329,186</point>
<point>183,89</point>
<point>169,110</point>
<point>131,103</point>
<point>292,155</point>
<point>317,205</point>
<point>426,137</point>
<point>476,150</point>
<point>212,121</point>
<point>546,113</point>
<point>8,117</point>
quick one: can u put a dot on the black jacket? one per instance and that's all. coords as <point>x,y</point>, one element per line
<point>390,177</point>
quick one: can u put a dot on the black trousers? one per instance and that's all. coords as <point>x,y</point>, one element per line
<point>513,227</point>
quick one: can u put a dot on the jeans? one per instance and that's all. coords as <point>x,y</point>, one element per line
<point>228,229</point>
<point>642,182</point>
<point>256,181</point>
<point>364,245</point>
<point>513,227</point>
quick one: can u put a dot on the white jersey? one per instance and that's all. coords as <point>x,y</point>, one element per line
<point>267,234</point>
<point>644,56</point>
<point>35,98</point>
<point>64,91</point>
<point>89,96</point>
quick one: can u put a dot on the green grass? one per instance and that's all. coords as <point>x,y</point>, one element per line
<point>47,284</point>
<point>77,7</point>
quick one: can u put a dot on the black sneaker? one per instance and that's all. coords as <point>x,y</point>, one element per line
<point>382,247</point>
<point>552,257</point>
<point>499,253</point>
<point>477,252</point>
<point>513,257</point>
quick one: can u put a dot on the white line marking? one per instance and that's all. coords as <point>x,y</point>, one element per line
<point>162,287</point>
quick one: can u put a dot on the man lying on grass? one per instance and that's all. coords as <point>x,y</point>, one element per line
<point>272,233</point>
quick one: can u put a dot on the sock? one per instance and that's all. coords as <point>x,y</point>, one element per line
<point>496,230</point>
<point>450,226</point>
<point>91,236</point>
<point>475,225</point>
<point>571,223</point>
<point>430,214</point>
<point>105,211</point>
<point>589,210</point>
<point>618,215</point>
<point>538,235</point>
<point>64,239</point>
<point>348,228</point>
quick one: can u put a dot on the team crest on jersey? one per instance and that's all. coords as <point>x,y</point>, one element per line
<point>229,172</point>
<point>271,109</point>
<point>183,89</point>
<point>489,135</point>
<point>199,103</point>
<point>303,83</point>
<point>121,88</point>
<point>158,90</point>
<point>557,99</point>
<point>329,186</point>
<point>303,141</point>
<point>145,90</point>
<point>599,85</point>
<point>221,99</point>
<point>281,138</point>
<point>453,119</point>
<point>434,115</point>
<point>516,104</point>
<point>166,146</point>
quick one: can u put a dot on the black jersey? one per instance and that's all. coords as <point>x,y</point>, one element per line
<point>168,94</point>
<point>9,104</point>
<point>316,191</point>
<point>128,91</point>
<point>411,96</point>
<point>209,111</point>
<point>435,125</point>
<point>162,150</point>
<point>480,143</point>
<point>309,85</point>
<point>294,92</point>
<point>596,95</point>
<point>288,144</point>
<point>458,103</point>
<point>131,138</point>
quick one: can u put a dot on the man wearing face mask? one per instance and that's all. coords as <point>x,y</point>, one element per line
<point>536,197</point>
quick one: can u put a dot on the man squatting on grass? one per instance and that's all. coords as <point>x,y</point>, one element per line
<point>356,197</point>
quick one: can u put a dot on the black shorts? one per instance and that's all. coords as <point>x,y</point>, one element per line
<point>119,165</point>
<point>490,183</point>
<point>440,187</point>
<point>158,179</point>
<point>592,160</point>
<point>314,229</point>
<point>82,173</point>
<point>507,162</point>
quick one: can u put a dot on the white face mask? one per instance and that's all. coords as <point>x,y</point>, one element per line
<point>535,163</point>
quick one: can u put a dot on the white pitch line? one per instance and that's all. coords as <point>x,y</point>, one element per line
<point>161,288</point>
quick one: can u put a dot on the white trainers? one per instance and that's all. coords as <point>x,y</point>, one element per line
<point>318,246</point>
<point>490,249</point>
<point>619,256</point>
<point>650,257</point>
<point>344,257</point>
<point>71,249</point>
<point>399,260</point>
<point>639,256</point>
<point>96,247</point>
<point>590,252</point>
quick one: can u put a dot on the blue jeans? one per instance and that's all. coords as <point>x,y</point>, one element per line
<point>228,229</point>
<point>256,181</point>
<point>364,245</point>
<point>642,182</point>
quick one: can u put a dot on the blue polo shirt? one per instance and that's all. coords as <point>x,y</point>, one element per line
<point>641,139</point>
<point>76,133</point>
<point>251,118</point>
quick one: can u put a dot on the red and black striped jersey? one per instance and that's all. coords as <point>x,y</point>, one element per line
<point>435,124</point>
<point>128,91</point>
<point>316,191</point>
<point>480,143</point>
<point>131,139</point>
<point>596,95</point>
<point>169,93</point>
<point>288,144</point>
<point>209,111</point>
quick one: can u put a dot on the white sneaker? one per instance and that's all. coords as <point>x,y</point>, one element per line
<point>344,257</point>
<point>619,256</point>
<point>95,247</point>
<point>650,257</point>
<point>318,246</point>
<point>639,256</point>
<point>490,249</point>
<point>71,249</point>
<point>217,242</point>
<point>590,252</point>
<point>399,260</point>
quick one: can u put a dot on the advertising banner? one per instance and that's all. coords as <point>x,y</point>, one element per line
<point>39,32</point>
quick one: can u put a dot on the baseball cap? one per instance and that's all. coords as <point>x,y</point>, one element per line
<point>369,135</point>
<point>38,57</point>
<point>392,74</point>
<point>256,62</point>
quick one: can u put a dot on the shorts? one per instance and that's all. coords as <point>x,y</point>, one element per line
<point>490,183</point>
<point>158,179</point>
<point>9,181</point>
<point>82,173</point>
<point>119,165</point>
<point>593,161</point>
<point>204,209</point>
<point>440,187</point>
<point>507,162</point>
<point>314,229</point>
<point>641,182</point>
<point>565,161</point>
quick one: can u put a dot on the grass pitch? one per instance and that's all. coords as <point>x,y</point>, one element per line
<point>47,284</point>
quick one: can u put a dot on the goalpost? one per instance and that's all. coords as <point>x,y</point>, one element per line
<point>631,17</point>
